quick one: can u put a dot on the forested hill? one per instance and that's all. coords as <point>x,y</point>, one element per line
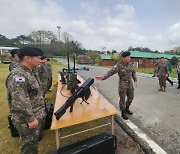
<point>47,41</point>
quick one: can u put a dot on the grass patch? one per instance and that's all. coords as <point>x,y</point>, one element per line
<point>11,145</point>
<point>148,71</point>
<point>151,71</point>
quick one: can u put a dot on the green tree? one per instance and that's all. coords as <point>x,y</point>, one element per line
<point>173,60</point>
<point>116,58</point>
<point>42,37</point>
<point>94,56</point>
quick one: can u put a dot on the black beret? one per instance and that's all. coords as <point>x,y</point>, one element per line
<point>14,51</point>
<point>30,51</point>
<point>43,57</point>
<point>125,54</point>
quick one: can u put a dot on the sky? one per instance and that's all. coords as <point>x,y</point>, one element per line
<point>97,24</point>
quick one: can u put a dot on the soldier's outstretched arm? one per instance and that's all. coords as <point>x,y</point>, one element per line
<point>111,72</point>
<point>99,77</point>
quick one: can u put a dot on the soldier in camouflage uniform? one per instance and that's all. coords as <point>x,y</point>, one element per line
<point>15,62</point>
<point>49,70</point>
<point>27,105</point>
<point>43,74</point>
<point>156,66</point>
<point>162,74</point>
<point>126,73</point>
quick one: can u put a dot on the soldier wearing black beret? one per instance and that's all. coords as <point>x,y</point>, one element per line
<point>162,73</point>
<point>43,74</point>
<point>13,52</point>
<point>126,73</point>
<point>27,106</point>
<point>15,62</point>
<point>125,54</point>
<point>29,51</point>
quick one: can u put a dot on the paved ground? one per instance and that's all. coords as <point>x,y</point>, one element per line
<point>155,113</point>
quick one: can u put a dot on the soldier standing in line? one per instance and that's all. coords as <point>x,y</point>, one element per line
<point>162,74</point>
<point>43,74</point>
<point>15,62</point>
<point>36,71</point>
<point>156,66</point>
<point>126,72</point>
<point>27,105</point>
<point>49,70</point>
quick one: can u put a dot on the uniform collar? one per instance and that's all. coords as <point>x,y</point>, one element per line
<point>125,64</point>
<point>25,68</point>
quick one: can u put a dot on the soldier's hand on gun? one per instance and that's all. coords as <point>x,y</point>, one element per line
<point>33,124</point>
<point>135,84</point>
<point>99,77</point>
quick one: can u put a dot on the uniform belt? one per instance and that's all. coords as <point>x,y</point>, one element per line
<point>125,81</point>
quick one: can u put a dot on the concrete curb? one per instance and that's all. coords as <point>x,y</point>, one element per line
<point>145,147</point>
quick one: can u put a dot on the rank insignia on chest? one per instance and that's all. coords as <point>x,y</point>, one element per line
<point>20,79</point>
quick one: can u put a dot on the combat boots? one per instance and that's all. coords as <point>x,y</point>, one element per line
<point>164,89</point>
<point>160,89</point>
<point>123,114</point>
<point>128,111</point>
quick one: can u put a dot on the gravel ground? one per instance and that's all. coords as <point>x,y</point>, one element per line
<point>125,144</point>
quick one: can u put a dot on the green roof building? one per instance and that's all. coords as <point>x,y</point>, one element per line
<point>139,59</point>
<point>105,57</point>
<point>137,54</point>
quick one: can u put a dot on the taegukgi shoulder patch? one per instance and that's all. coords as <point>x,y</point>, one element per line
<point>20,79</point>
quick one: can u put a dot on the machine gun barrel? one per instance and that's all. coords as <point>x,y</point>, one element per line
<point>70,101</point>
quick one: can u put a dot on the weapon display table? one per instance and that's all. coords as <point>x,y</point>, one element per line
<point>97,108</point>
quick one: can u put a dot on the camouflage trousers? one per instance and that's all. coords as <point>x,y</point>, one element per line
<point>49,83</point>
<point>155,70</point>
<point>29,137</point>
<point>44,82</point>
<point>125,90</point>
<point>162,80</point>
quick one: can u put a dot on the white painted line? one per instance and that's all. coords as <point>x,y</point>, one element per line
<point>156,148</point>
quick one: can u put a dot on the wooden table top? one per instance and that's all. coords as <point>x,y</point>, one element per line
<point>97,108</point>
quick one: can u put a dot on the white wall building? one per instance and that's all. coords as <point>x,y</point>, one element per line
<point>6,50</point>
